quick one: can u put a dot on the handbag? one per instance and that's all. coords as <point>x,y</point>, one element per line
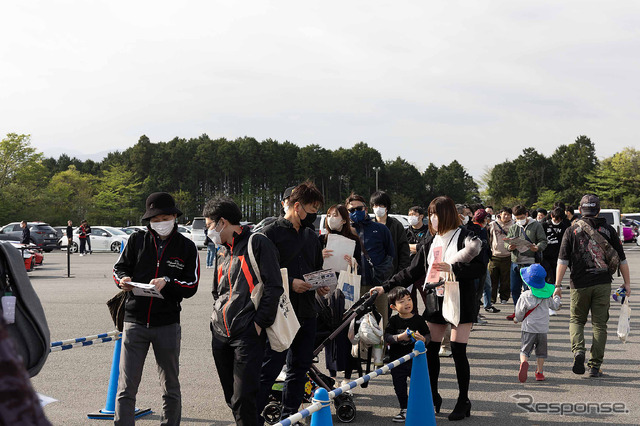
<point>451,302</point>
<point>430,299</point>
<point>116,309</point>
<point>349,284</point>
<point>285,326</point>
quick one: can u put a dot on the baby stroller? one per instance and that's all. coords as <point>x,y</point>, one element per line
<point>345,408</point>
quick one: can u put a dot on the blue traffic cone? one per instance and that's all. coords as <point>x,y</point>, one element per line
<point>420,411</point>
<point>322,417</point>
<point>109,410</point>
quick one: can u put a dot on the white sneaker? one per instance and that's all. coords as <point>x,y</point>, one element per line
<point>503,302</point>
<point>444,352</point>
<point>400,417</point>
<point>81,254</point>
<point>552,312</point>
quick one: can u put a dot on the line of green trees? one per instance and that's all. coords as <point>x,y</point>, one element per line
<point>255,174</point>
<point>534,180</point>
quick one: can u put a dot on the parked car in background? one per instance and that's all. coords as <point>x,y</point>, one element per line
<point>631,230</point>
<point>42,234</point>
<point>31,255</point>
<point>197,232</point>
<point>103,238</point>
<point>632,216</point>
<point>131,229</point>
<point>184,230</point>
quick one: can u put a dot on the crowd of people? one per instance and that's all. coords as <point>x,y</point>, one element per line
<point>512,254</point>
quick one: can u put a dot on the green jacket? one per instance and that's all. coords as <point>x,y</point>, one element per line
<point>533,229</point>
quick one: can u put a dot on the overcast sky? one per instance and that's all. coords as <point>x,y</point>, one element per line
<point>475,81</point>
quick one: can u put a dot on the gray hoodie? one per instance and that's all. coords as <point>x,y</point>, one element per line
<point>538,320</point>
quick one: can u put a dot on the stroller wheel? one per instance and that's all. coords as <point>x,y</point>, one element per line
<point>272,412</point>
<point>345,409</point>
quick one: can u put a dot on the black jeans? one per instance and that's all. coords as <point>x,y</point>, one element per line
<point>238,362</point>
<point>400,374</point>
<point>298,359</point>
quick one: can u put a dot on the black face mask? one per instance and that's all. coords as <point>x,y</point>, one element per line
<point>309,219</point>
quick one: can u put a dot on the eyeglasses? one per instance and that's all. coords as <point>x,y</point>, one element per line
<point>354,209</point>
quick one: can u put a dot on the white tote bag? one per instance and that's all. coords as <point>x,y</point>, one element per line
<point>624,321</point>
<point>349,284</point>
<point>286,325</point>
<point>451,302</point>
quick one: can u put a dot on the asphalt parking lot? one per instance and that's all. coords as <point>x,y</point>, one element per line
<point>78,378</point>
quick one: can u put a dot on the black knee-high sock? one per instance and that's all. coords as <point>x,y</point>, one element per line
<point>433,363</point>
<point>463,371</point>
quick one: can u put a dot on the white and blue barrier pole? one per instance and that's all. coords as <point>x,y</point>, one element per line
<point>63,345</point>
<point>420,391</point>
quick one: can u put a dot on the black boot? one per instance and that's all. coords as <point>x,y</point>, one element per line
<point>461,410</point>
<point>463,373</point>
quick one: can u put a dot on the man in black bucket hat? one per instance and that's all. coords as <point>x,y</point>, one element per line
<point>164,258</point>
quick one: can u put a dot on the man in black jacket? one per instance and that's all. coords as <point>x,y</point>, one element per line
<point>26,234</point>
<point>164,258</point>
<point>238,328</point>
<point>381,203</point>
<point>299,251</point>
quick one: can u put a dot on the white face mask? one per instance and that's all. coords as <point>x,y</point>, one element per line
<point>215,235</point>
<point>434,222</point>
<point>335,223</point>
<point>380,211</point>
<point>285,207</point>
<point>522,222</point>
<point>413,220</point>
<point>555,223</point>
<point>465,220</point>
<point>163,228</point>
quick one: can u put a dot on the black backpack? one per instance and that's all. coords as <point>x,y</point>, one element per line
<point>30,331</point>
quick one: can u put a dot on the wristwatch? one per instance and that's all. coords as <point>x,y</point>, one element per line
<point>166,279</point>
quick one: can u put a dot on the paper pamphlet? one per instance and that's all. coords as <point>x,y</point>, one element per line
<point>433,276</point>
<point>321,278</point>
<point>521,244</point>
<point>341,246</point>
<point>44,400</point>
<point>148,290</point>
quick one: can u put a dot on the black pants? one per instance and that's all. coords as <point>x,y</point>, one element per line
<point>238,362</point>
<point>400,374</point>
<point>83,242</point>
<point>298,359</point>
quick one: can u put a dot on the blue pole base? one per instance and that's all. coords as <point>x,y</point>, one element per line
<point>420,410</point>
<point>109,415</point>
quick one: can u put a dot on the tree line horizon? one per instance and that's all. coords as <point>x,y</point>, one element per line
<point>255,174</point>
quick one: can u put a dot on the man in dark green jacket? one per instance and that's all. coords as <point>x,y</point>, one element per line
<point>532,231</point>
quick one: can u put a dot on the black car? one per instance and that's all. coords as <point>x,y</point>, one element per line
<point>42,234</point>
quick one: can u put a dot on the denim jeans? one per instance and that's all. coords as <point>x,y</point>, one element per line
<point>487,290</point>
<point>298,360</point>
<point>517,284</point>
<point>211,253</point>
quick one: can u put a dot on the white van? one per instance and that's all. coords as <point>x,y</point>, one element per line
<point>613,218</point>
<point>197,232</point>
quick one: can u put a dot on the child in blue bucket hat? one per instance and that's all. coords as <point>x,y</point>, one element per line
<point>532,310</point>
